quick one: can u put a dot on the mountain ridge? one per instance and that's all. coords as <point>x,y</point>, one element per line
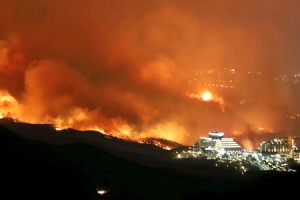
<point>39,170</point>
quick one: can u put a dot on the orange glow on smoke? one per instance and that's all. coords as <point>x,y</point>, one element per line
<point>163,71</point>
<point>83,119</point>
<point>263,129</point>
<point>9,106</point>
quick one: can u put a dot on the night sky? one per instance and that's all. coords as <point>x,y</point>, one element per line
<point>123,66</point>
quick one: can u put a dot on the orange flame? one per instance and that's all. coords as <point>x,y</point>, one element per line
<point>208,96</point>
<point>83,119</point>
<point>9,106</point>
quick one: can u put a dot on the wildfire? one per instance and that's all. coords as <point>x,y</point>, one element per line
<point>208,96</point>
<point>263,129</point>
<point>156,143</point>
<point>205,96</point>
<point>77,118</point>
<point>9,105</point>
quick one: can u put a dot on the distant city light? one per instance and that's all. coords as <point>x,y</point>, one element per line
<point>101,191</point>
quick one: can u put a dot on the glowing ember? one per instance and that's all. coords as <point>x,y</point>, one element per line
<point>167,148</point>
<point>206,96</point>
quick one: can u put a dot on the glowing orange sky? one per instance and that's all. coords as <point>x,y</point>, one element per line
<point>123,66</point>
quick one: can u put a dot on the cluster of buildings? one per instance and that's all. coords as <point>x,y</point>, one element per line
<point>285,146</point>
<point>216,146</point>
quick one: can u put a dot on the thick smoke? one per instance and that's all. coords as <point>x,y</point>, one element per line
<point>123,67</point>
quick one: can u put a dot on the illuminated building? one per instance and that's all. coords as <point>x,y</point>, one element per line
<point>216,135</point>
<point>294,153</point>
<point>275,146</point>
<point>216,142</point>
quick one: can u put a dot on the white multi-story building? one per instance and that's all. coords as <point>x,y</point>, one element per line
<point>216,142</point>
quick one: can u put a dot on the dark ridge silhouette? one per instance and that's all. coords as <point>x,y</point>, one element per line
<point>37,170</point>
<point>33,170</point>
<point>46,133</point>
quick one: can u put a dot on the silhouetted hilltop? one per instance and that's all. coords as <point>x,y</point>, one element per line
<point>35,169</point>
<point>47,133</point>
<point>74,171</point>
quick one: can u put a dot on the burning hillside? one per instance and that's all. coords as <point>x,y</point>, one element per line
<point>151,69</point>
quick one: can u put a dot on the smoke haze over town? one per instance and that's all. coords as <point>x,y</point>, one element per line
<point>141,68</point>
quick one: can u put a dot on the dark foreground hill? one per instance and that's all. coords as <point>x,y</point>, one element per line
<point>35,170</point>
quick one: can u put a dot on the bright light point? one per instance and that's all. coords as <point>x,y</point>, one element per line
<point>101,192</point>
<point>206,96</point>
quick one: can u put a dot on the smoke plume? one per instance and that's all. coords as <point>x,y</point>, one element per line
<point>123,67</point>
